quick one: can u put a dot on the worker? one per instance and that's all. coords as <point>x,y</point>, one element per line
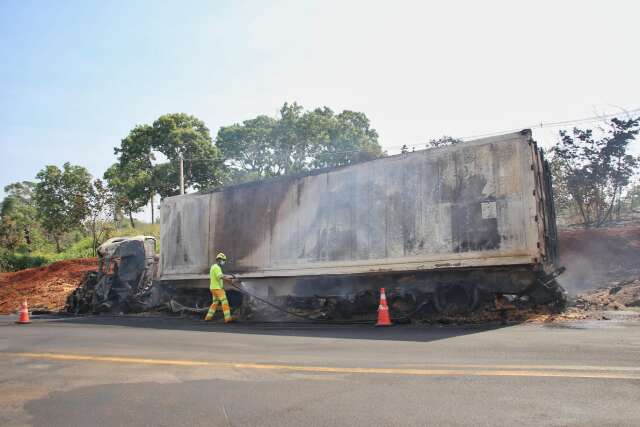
<point>217,289</point>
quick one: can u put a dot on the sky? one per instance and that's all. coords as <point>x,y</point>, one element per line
<point>77,76</point>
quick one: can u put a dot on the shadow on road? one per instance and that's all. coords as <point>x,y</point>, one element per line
<point>407,332</point>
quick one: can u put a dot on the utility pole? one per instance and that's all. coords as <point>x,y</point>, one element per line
<point>181,175</point>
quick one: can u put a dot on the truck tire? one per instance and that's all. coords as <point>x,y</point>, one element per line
<point>456,299</point>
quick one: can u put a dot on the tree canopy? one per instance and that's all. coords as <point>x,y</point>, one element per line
<point>100,206</point>
<point>17,215</point>
<point>443,141</point>
<point>176,135</point>
<point>296,141</point>
<point>61,198</point>
<point>148,161</point>
<point>593,168</point>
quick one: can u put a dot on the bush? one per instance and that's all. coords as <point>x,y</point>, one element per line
<point>82,248</point>
<point>141,229</point>
<point>10,261</point>
<point>14,261</point>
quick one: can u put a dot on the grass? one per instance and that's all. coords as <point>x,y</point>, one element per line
<point>77,245</point>
<point>141,229</point>
<point>12,261</point>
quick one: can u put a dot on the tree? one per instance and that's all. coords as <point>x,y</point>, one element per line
<point>443,141</point>
<point>296,141</point>
<point>10,236</point>
<point>633,197</point>
<point>17,215</point>
<point>181,135</point>
<point>99,206</point>
<point>61,199</point>
<point>129,187</point>
<point>138,177</point>
<point>346,138</point>
<point>131,179</point>
<point>561,196</point>
<point>596,169</point>
<point>249,148</point>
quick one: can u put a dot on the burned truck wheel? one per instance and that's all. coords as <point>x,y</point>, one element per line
<point>553,296</point>
<point>456,299</point>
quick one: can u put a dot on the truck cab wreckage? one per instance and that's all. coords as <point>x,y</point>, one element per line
<point>124,280</point>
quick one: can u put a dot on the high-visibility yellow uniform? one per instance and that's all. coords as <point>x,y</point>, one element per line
<point>218,294</point>
<point>215,276</point>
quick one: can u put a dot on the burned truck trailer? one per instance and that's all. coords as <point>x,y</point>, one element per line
<point>449,225</point>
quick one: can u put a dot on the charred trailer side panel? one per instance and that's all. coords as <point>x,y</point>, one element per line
<point>478,215</point>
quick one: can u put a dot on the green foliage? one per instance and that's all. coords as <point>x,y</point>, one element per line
<point>595,170</point>
<point>137,177</point>
<point>346,138</point>
<point>129,187</point>
<point>561,196</point>
<point>13,261</point>
<point>17,215</point>
<point>633,197</point>
<point>141,229</point>
<point>131,178</point>
<point>99,206</point>
<point>181,135</point>
<point>78,245</point>
<point>443,141</point>
<point>249,147</point>
<point>61,199</point>
<point>82,248</point>
<point>43,252</point>
<point>296,141</point>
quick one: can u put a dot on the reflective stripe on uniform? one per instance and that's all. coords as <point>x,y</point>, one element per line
<point>219,296</point>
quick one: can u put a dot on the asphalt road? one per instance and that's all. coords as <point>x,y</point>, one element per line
<point>168,372</point>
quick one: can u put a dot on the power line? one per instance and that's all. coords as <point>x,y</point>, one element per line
<point>540,125</point>
<point>557,124</point>
<point>535,126</point>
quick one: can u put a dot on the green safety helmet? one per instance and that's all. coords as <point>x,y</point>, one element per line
<point>221,256</point>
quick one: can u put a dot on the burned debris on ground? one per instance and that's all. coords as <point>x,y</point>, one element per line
<point>591,305</point>
<point>120,282</point>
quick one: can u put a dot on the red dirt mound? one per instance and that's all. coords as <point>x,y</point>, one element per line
<point>45,288</point>
<point>596,257</point>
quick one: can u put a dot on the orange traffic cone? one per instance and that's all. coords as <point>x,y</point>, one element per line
<point>24,314</point>
<point>383,311</point>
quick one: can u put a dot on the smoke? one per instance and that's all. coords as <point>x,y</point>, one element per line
<point>273,300</point>
<point>253,305</point>
<point>580,275</point>
<point>596,257</point>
